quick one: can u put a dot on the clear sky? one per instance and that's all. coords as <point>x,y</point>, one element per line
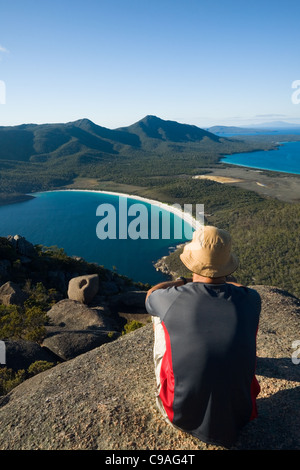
<point>199,62</point>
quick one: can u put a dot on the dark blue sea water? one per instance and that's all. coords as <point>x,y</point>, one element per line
<point>68,219</point>
<point>285,159</point>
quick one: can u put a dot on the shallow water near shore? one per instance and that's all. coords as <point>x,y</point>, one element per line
<point>68,220</point>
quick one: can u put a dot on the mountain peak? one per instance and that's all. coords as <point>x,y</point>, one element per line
<point>151,118</point>
<point>83,123</point>
<point>156,128</point>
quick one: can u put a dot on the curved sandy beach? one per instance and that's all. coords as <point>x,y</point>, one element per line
<point>175,209</point>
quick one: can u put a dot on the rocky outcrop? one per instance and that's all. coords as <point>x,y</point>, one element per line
<point>83,288</point>
<point>12,294</point>
<point>21,354</point>
<point>22,246</point>
<point>72,315</point>
<point>74,328</point>
<point>105,399</point>
<point>69,344</point>
<point>93,306</point>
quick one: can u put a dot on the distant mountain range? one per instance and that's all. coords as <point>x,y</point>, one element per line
<point>88,141</point>
<point>276,126</point>
<point>36,157</point>
<point>41,142</point>
<point>232,130</point>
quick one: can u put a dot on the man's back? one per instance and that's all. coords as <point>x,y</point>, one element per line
<point>205,357</point>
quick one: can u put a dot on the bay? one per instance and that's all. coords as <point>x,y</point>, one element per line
<point>68,220</point>
<point>285,159</point>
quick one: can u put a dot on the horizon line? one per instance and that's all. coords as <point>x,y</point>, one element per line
<point>205,127</point>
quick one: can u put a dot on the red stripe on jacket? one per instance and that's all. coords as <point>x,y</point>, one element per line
<point>167,378</point>
<point>254,390</point>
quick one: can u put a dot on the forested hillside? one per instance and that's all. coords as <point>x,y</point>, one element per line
<point>46,156</point>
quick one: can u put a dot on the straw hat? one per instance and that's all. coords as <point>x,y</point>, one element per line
<point>209,253</point>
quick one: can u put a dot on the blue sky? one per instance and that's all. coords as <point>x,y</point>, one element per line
<point>112,61</point>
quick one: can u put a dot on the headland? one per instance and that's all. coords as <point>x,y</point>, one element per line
<point>282,186</point>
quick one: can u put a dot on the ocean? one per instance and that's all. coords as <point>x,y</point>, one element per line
<point>69,220</point>
<point>285,159</point>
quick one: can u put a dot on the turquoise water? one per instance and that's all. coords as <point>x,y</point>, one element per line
<point>286,159</point>
<point>68,219</point>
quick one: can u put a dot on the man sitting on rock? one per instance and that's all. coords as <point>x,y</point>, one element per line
<point>205,343</point>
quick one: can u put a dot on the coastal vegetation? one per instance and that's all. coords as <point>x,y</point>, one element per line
<point>10,378</point>
<point>132,326</point>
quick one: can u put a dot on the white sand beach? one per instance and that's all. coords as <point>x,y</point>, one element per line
<point>176,209</point>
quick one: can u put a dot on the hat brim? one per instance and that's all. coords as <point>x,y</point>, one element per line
<point>207,270</point>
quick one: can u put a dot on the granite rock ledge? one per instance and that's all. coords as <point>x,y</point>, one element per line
<point>104,398</point>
